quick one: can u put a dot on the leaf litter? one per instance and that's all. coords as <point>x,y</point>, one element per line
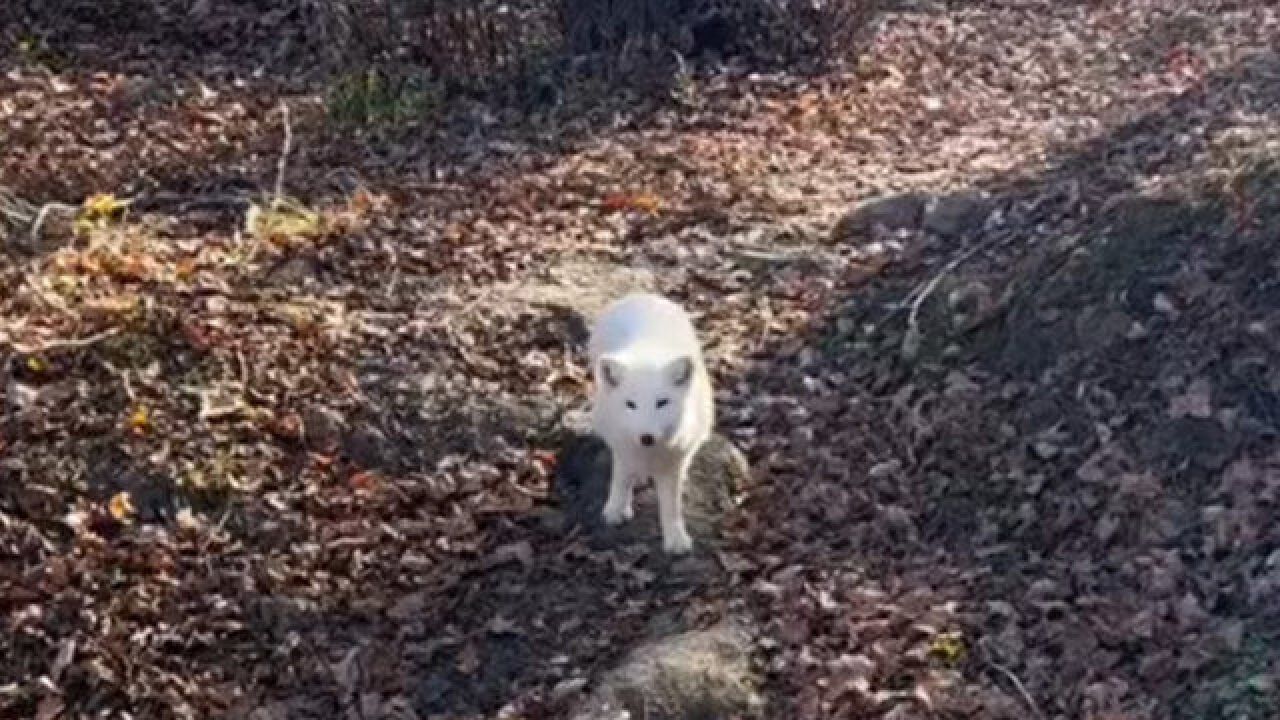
<point>247,443</point>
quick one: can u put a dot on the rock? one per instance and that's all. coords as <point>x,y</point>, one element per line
<point>532,418</point>
<point>274,616</point>
<point>581,485</point>
<point>1202,442</point>
<point>322,428</point>
<point>581,288</point>
<point>368,447</point>
<point>295,271</point>
<point>957,215</point>
<point>893,213</point>
<point>704,674</point>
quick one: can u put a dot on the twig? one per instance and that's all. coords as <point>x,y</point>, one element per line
<point>123,377</point>
<point>56,345</point>
<point>213,532</point>
<point>911,339</point>
<point>1013,679</point>
<point>34,237</point>
<point>34,286</point>
<point>283,164</point>
<point>933,283</point>
<point>16,209</point>
<point>761,255</point>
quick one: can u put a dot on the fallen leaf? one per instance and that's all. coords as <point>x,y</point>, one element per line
<point>130,268</point>
<point>121,507</point>
<point>566,688</point>
<point>102,205</point>
<point>114,307</point>
<point>97,212</point>
<point>1195,402</point>
<point>288,426</point>
<point>468,659</point>
<point>948,648</point>
<point>184,269</point>
<point>408,606</point>
<point>197,336</point>
<point>139,422</point>
<point>521,552</point>
<point>499,625</point>
<point>347,671</point>
<point>49,708</point>
<point>545,459</point>
<point>282,223</point>
<point>219,405</point>
<point>644,202</point>
<point>364,481</point>
<point>66,653</point>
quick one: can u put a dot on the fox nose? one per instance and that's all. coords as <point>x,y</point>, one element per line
<point>646,440</point>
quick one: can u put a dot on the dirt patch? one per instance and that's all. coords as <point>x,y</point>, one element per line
<point>718,475</point>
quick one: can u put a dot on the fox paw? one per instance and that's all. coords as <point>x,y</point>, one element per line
<point>677,543</point>
<point>614,515</point>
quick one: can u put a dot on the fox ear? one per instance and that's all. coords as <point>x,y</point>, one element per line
<point>610,371</point>
<point>680,370</point>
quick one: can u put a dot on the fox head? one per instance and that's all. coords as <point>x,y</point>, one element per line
<point>645,401</point>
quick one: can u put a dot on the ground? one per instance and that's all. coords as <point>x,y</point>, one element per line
<point>991,317</point>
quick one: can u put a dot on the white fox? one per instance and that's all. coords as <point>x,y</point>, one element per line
<point>653,405</point>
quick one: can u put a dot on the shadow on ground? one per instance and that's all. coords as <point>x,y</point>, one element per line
<point>1066,456</point>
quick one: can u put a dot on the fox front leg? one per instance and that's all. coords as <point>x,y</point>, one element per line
<point>617,508</point>
<point>670,487</point>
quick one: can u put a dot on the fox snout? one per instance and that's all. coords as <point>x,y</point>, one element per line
<point>657,437</point>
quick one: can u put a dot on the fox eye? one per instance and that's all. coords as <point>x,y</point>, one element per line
<point>663,402</point>
<point>631,404</point>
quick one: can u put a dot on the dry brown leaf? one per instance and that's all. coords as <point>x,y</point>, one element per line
<point>521,552</point>
<point>121,507</point>
<point>1195,402</point>
<point>468,659</point>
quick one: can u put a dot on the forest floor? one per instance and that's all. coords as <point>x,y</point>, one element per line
<point>1011,424</point>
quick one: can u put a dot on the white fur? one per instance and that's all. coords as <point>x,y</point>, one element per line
<point>645,353</point>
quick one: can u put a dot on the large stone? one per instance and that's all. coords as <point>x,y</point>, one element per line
<point>891,214</point>
<point>581,485</point>
<point>704,675</point>
<point>957,215</point>
<point>322,427</point>
<point>582,287</point>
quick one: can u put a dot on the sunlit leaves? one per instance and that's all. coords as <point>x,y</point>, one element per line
<point>98,212</point>
<point>139,421</point>
<point>283,223</point>
<point>640,202</point>
<point>948,648</point>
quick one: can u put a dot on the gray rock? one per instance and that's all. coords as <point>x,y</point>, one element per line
<point>368,447</point>
<point>893,213</point>
<point>957,215</point>
<point>705,675</point>
<point>580,287</point>
<point>294,272</point>
<point>322,427</point>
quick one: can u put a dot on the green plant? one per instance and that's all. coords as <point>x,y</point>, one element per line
<point>1240,686</point>
<point>376,98</point>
